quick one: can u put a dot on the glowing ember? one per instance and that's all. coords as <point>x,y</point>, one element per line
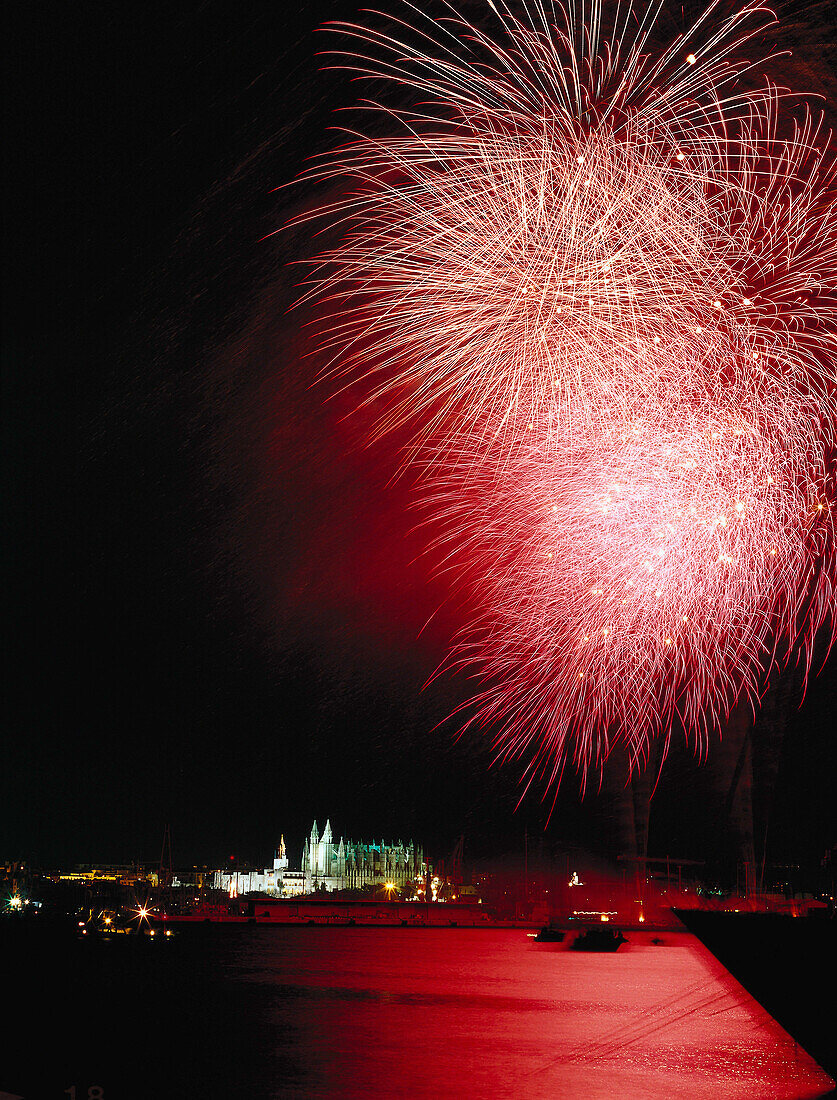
<point>599,285</point>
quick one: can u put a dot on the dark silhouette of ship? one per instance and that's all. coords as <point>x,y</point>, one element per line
<point>599,939</point>
<point>548,934</point>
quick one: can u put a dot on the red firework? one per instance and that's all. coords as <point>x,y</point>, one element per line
<point>597,278</point>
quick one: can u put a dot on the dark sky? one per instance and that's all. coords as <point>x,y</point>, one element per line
<point>216,608</point>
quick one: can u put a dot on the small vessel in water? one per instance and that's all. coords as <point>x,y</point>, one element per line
<point>548,934</point>
<point>599,939</point>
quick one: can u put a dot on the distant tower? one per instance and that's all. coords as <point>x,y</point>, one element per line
<point>313,846</point>
<point>341,861</point>
<point>326,850</point>
<point>309,856</point>
<point>280,858</point>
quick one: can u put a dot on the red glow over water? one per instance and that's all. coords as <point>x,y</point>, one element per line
<point>492,1013</point>
<point>221,1012</point>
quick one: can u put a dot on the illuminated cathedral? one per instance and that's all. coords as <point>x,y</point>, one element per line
<point>349,865</point>
<point>327,866</point>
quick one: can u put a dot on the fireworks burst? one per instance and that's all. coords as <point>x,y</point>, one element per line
<point>596,276</point>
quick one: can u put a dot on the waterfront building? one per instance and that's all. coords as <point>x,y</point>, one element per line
<point>270,880</point>
<point>326,865</point>
<point>350,865</point>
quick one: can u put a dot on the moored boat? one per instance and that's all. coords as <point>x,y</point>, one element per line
<point>599,939</point>
<point>548,934</point>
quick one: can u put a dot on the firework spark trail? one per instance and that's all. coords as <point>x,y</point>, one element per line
<point>630,578</point>
<point>597,279</point>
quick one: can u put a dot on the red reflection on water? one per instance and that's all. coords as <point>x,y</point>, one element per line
<point>392,1012</point>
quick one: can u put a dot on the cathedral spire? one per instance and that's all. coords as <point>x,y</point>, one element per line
<point>280,857</point>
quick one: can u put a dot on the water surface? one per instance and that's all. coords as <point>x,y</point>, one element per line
<point>331,1012</point>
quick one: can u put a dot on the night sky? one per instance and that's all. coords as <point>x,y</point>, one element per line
<point>218,596</point>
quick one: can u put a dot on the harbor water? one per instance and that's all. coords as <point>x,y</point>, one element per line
<point>301,1012</point>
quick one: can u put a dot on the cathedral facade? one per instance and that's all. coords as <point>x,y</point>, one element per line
<point>350,865</point>
<point>326,865</point>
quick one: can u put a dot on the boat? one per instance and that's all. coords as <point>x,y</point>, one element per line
<point>599,939</point>
<point>548,934</point>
